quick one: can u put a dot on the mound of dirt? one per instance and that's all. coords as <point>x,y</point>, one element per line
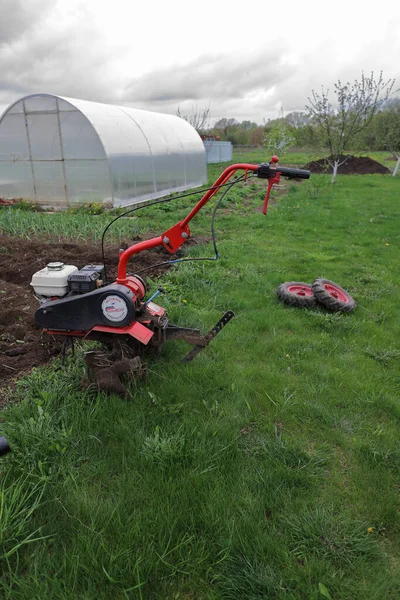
<point>353,165</point>
<point>22,343</point>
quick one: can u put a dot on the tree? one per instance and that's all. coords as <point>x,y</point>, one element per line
<point>297,119</point>
<point>197,118</point>
<point>278,137</point>
<point>248,125</point>
<point>387,131</point>
<point>256,136</point>
<point>246,133</point>
<point>226,126</point>
<point>356,103</point>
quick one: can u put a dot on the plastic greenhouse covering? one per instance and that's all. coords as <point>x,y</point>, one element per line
<point>62,152</point>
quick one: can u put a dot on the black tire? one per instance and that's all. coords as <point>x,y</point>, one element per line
<point>296,293</point>
<point>333,296</point>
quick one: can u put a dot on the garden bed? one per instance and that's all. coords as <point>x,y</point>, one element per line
<point>353,165</point>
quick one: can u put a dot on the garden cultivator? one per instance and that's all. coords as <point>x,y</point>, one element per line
<point>81,304</point>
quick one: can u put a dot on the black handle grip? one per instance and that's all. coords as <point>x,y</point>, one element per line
<point>289,172</point>
<point>265,171</point>
<point>4,446</point>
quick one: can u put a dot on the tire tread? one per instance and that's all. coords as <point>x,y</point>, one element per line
<point>293,299</point>
<point>325,298</point>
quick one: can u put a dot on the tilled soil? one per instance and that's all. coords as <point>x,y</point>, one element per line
<point>22,343</point>
<point>353,165</point>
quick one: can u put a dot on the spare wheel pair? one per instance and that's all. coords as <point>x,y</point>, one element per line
<point>323,291</point>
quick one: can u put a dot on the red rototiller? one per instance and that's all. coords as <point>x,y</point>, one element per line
<point>82,304</point>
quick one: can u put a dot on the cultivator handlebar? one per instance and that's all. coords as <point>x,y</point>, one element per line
<point>265,171</point>
<point>173,238</point>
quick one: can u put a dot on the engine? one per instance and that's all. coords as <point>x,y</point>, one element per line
<point>58,279</point>
<point>78,300</point>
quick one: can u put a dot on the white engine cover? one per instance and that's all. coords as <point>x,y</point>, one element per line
<point>52,280</point>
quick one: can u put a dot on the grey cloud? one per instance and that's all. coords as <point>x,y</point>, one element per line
<point>211,76</point>
<point>40,52</point>
<point>322,68</point>
<point>241,109</point>
<point>73,63</point>
<point>18,16</point>
<point>64,58</point>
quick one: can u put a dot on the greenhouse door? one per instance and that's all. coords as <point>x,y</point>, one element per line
<point>44,141</point>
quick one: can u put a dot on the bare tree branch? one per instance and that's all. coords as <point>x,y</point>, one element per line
<point>355,106</point>
<point>198,117</point>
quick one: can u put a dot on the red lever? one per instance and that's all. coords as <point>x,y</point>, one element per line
<point>275,179</point>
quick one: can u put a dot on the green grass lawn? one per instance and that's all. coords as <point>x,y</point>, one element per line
<point>269,467</point>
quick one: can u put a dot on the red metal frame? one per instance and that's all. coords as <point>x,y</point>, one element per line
<point>135,329</point>
<point>336,292</point>
<point>173,238</point>
<point>301,290</point>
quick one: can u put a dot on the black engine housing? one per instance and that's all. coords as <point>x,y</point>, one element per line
<point>87,279</point>
<point>112,305</point>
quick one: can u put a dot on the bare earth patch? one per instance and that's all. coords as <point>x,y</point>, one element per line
<point>354,165</point>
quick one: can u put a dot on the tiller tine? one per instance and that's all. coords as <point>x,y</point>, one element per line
<point>206,339</point>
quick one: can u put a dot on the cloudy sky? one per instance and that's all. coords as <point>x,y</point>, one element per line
<point>247,61</point>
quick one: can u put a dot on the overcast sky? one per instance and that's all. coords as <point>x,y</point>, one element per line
<point>246,61</point>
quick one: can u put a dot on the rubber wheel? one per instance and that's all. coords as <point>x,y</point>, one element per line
<point>333,296</point>
<point>296,293</point>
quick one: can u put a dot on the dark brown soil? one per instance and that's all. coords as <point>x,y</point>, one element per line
<point>354,165</point>
<point>22,344</point>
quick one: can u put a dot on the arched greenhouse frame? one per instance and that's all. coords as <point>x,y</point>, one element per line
<point>60,152</point>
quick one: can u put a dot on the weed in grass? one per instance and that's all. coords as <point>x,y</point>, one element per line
<point>24,205</point>
<point>19,500</point>
<point>319,533</point>
<point>284,455</point>
<point>166,449</point>
<point>92,208</point>
<point>332,322</point>
<point>362,277</point>
<point>253,578</point>
<point>41,442</point>
<point>293,189</point>
<point>370,294</point>
<point>380,455</point>
<point>383,356</point>
<point>317,186</point>
<point>214,409</point>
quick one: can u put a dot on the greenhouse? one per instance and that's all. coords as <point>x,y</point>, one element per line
<point>61,152</point>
